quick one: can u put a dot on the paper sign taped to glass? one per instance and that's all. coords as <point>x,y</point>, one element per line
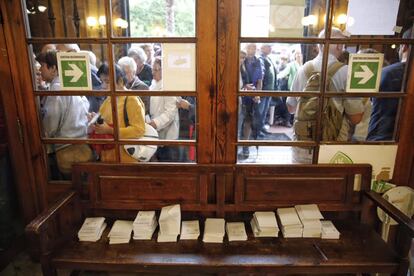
<point>368,17</point>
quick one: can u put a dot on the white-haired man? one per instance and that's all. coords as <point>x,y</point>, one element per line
<point>351,108</point>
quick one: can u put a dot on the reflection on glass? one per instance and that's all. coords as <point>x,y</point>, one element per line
<point>273,66</point>
<point>154,18</point>
<point>273,155</point>
<point>66,18</point>
<point>277,18</point>
<point>155,66</point>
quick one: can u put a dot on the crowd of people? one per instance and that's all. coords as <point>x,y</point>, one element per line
<point>70,116</point>
<point>174,117</point>
<point>343,119</point>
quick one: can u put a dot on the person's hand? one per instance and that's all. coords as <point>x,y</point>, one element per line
<point>104,128</point>
<point>249,86</point>
<point>90,116</point>
<point>184,104</point>
<point>153,124</point>
<point>256,99</point>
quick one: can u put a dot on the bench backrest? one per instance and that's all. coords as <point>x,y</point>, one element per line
<point>220,188</point>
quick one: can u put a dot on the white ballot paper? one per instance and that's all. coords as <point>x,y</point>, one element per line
<point>92,229</point>
<point>372,17</point>
<point>264,224</point>
<point>214,230</point>
<point>190,230</point>
<point>170,223</point>
<point>290,223</point>
<point>329,230</point>
<point>120,232</point>
<point>236,231</point>
<point>144,225</point>
<point>310,217</point>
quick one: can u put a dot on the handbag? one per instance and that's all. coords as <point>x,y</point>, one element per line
<point>73,153</point>
<point>141,153</point>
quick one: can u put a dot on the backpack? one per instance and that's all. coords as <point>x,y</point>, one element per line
<point>306,114</point>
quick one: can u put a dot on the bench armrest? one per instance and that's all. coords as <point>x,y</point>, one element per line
<point>55,225</point>
<point>392,211</point>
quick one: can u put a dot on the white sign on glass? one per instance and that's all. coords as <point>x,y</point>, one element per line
<point>372,17</point>
<point>179,67</point>
<point>255,18</point>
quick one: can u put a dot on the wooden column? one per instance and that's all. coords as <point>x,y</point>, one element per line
<point>206,79</point>
<point>404,164</point>
<point>228,76</point>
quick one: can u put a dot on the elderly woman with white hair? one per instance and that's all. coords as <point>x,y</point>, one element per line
<point>129,67</point>
<point>144,71</point>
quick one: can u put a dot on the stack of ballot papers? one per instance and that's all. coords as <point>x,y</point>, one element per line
<point>329,230</point>
<point>170,223</point>
<point>144,225</point>
<point>190,230</point>
<point>92,229</point>
<point>236,231</point>
<point>120,232</point>
<point>310,217</point>
<point>290,223</point>
<point>264,224</point>
<point>214,230</point>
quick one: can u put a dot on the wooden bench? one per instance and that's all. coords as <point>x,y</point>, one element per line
<point>230,191</point>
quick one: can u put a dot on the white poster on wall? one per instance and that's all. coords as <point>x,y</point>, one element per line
<point>179,67</point>
<point>381,157</point>
<point>372,17</point>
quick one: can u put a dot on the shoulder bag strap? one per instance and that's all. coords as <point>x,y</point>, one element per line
<point>126,120</point>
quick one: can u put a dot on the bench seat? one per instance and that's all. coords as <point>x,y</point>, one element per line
<point>358,249</point>
<point>233,192</point>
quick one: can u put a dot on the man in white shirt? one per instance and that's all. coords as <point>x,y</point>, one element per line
<point>352,107</point>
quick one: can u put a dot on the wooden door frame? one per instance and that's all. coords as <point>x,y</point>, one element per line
<point>29,195</point>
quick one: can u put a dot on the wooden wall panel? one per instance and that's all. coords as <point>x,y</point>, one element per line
<point>152,186</point>
<point>271,187</point>
<point>176,189</point>
<point>276,189</point>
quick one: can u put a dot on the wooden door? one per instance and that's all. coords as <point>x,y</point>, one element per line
<point>107,28</point>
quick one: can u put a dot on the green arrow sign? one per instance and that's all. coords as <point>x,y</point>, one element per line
<point>74,71</point>
<point>364,72</point>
